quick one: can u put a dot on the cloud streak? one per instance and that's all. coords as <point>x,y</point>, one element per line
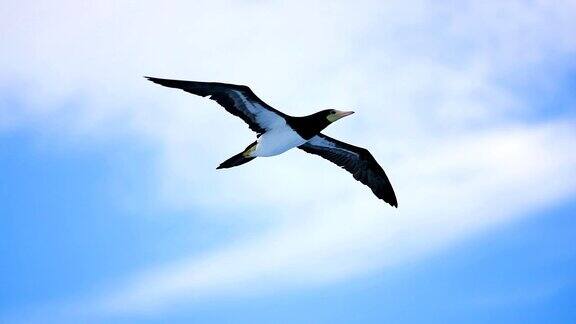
<point>467,186</point>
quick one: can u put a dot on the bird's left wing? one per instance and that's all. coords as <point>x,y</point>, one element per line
<point>355,160</point>
<point>238,100</point>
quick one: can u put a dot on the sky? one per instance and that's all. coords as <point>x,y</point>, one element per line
<point>112,211</point>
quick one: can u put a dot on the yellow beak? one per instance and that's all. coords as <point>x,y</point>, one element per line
<point>339,114</point>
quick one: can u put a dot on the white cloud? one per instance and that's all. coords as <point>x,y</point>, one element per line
<point>427,81</point>
<point>466,186</point>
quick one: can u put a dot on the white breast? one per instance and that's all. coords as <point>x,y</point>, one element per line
<point>277,141</point>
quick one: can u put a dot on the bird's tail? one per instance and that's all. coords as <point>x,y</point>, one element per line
<point>240,158</point>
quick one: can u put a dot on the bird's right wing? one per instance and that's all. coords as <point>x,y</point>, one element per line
<point>355,160</point>
<point>238,100</point>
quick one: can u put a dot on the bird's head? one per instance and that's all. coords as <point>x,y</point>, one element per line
<point>333,115</point>
<point>315,123</point>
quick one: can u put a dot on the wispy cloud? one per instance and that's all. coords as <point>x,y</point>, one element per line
<point>434,87</point>
<point>466,186</point>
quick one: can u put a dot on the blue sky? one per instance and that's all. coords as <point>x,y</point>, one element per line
<point>521,272</point>
<point>111,210</point>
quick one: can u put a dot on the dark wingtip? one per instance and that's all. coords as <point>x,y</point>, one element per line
<point>392,202</point>
<point>222,166</point>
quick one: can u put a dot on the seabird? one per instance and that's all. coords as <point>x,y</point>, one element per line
<point>279,132</point>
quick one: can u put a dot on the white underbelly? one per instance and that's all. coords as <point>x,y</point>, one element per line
<point>277,141</point>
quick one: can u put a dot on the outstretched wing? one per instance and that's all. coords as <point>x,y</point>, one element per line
<point>355,160</point>
<point>238,100</point>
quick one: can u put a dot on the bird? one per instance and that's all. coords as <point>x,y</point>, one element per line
<point>278,132</point>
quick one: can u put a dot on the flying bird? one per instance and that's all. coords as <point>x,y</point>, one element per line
<point>278,132</point>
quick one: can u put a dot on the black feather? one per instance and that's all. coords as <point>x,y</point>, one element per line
<point>356,160</point>
<point>232,97</point>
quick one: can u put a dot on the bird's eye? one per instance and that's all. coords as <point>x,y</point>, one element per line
<point>333,112</point>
